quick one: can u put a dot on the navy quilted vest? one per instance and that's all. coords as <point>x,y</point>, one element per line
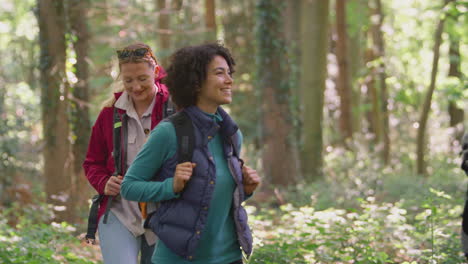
<point>179,222</point>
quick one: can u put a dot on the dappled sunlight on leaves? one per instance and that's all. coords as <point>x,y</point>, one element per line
<point>380,231</point>
<point>32,240</point>
<point>363,212</point>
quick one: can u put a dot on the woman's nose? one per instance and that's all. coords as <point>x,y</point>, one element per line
<point>136,86</point>
<point>229,78</point>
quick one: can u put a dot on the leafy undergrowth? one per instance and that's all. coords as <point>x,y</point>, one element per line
<point>372,233</point>
<point>33,242</point>
<point>362,212</point>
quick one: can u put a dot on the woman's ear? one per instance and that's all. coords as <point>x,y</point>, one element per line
<point>156,71</point>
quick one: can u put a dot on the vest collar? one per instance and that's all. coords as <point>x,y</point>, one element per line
<point>208,126</point>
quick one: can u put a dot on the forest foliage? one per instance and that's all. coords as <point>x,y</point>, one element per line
<point>365,201</point>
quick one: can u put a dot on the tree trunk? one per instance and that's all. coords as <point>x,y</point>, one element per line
<point>343,83</point>
<point>5,177</point>
<point>164,39</point>
<point>314,47</point>
<point>177,4</point>
<point>54,103</point>
<point>379,50</point>
<point>373,114</point>
<point>210,20</point>
<point>421,137</point>
<point>356,58</point>
<point>292,15</point>
<point>103,13</point>
<point>292,21</point>
<point>456,114</point>
<point>77,15</point>
<point>278,162</point>
<point>189,22</point>
<point>237,23</point>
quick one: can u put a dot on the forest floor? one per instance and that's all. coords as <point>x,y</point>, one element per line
<point>358,215</point>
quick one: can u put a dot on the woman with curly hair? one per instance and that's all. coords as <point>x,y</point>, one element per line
<point>200,219</point>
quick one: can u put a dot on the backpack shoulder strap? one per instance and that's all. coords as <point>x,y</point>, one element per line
<point>169,108</point>
<point>185,136</point>
<point>464,153</point>
<point>117,131</point>
<point>118,122</point>
<point>235,144</point>
<point>119,139</point>
<point>93,219</point>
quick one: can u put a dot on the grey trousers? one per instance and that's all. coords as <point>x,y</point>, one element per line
<point>119,246</point>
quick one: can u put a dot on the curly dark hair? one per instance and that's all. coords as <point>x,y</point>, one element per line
<point>188,69</point>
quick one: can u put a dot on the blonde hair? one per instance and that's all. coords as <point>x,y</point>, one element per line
<point>148,58</point>
<point>110,101</point>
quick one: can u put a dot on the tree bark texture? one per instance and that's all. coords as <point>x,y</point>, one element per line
<point>164,39</point>
<point>356,56</point>
<point>373,114</point>
<point>314,47</point>
<point>379,50</point>
<point>210,20</point>
<point>456,114</point>
<point>421,136</point>
<point>237,23</point>
<point>54,103</point>
<point>278,157</point>
<point>292,15</point>
<point>343,81</point>
<point>78,17</point>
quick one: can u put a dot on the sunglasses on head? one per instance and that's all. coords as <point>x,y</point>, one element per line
<point>138,53</point>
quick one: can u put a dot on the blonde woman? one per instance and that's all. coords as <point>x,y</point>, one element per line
<point>140,108</point>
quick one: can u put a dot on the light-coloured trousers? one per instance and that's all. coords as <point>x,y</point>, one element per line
<point>119,246</point>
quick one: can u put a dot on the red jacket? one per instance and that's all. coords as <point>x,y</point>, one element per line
<point>99,162</point>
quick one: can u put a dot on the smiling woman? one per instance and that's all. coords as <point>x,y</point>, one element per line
<point>138,79</point>
<point>138,108</point>
<point>207,190</point>
<point>216,90</point>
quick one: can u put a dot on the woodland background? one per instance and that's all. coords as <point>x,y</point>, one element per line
<point>351,110</point>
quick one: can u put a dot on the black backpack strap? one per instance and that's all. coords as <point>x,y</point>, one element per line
<point>464,167</point>
<point>169,108</point>
<point>118,133</point>
<point>235,144</point>
<point>234,140</point>
<point>185,143</point>
<point>93,219</point>
<point>119,138</point>
<point>119,153</point>
<point>464,153</point>
<point>185,136</point>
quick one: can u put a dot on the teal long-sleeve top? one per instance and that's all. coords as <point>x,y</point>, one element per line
<point>218,243</point>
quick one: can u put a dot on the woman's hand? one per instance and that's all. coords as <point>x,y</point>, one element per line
<point>251,180</point>
<point>113,185</point>
<point>182,175</point>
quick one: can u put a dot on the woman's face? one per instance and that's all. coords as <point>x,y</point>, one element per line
<point>138,81</point>
<point>216,90</point>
